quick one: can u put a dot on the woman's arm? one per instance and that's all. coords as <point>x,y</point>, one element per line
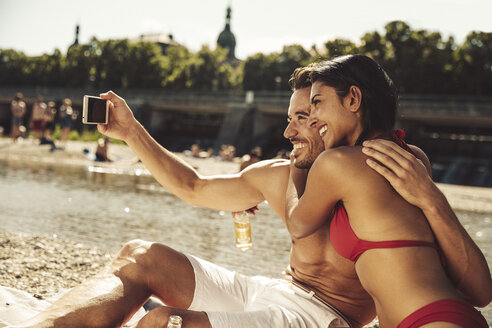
<point>466,264</point>
<point>309,205</point>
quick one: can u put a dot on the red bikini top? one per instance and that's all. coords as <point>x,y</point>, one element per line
<point>343,238</point>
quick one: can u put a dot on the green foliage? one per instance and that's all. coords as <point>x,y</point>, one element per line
<point>474,63</point>
<point>73,135</point>
<point>56,133</point>
<point>272,71</point>
<point>14,68</point>
<point>340,47</point>
<point>419,61</point>
<point>88,135</point>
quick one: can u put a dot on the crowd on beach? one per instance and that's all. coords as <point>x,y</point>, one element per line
<point>227,153</point>
<point>42,121</point>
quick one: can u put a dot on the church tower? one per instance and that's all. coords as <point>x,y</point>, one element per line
<point>76,42</point>
<point>226,38</point>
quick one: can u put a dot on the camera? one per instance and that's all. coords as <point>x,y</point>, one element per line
<point>95,110</point>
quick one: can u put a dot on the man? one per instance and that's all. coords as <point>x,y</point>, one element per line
<point>321,289</point>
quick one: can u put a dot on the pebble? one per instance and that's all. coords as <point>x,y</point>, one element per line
<point>44,266</point>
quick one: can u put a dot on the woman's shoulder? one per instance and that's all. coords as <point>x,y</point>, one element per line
<point>342,161</point>
<point>343,155</point>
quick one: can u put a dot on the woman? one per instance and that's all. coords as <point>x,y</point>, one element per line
<point>389,240</point>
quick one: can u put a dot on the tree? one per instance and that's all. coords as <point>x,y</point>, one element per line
<point>259,73</point>
<point>418,61</point>
<point>146,69</point>
<point>79,65</point>
<point>474,64</point>
<point>340,47</point>
<point>291,57</point>
<point>13,68</point>
<point>174,67</point>
<point>374,46</point>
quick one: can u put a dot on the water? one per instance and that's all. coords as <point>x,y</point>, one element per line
<point>106,210</point>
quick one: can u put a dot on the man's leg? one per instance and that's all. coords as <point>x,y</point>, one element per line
<point>140,269</point>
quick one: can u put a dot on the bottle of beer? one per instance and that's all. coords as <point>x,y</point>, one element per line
<point>242,231</point>
<point>174,321</point>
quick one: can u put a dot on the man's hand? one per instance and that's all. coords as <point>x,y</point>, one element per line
<point>466,264</point>
<point>156,318</point>
<point>120,120</point>
<point>406,173</point>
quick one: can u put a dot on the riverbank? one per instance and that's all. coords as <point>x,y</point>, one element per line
<point>124,161</point>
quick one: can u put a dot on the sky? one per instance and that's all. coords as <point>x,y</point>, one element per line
<point>39,26</point>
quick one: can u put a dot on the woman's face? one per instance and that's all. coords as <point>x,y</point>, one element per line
<point>336,120</point>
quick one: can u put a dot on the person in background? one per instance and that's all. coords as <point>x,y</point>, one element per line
<point>49,119</point>
<point>18,107</point>
<point>195,150</point>
<point>37,118</point>
<point>227,153</point>
<point>65,119</point>
<point>282,154</point>
<point>48,126</point>
<point>102,150</point>
<point>254,156</point>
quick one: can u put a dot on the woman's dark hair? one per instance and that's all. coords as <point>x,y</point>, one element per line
<point>379,95</point>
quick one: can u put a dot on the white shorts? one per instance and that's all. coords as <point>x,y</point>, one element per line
<point>233,300</point>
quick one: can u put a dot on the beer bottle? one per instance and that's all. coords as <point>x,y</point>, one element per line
<point>242,231</point>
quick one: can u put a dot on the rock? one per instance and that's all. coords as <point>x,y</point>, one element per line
<point>45,266</point>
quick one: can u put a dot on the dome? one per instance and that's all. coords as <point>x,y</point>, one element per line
<point>226,39</point>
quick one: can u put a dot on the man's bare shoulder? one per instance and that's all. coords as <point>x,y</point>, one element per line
<point>269,164</point>
<point>267,169</point>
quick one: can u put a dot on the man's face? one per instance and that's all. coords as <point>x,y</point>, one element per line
<point>306,141</point>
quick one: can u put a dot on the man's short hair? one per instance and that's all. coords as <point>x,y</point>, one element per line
<point>301,78</point>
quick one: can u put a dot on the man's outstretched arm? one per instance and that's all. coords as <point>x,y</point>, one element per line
<point>409,176</point>
<point>229,192</point>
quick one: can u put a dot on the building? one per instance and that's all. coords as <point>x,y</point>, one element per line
<point>227,40</point>
<point>163,40</point>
